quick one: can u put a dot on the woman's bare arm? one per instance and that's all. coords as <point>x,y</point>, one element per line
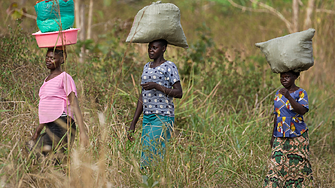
<point>274,128</point>
<point>298,108</point>
<point>38,131</point>
<point>176,90</point>
<point>138,112</point>
<point>79,119</point>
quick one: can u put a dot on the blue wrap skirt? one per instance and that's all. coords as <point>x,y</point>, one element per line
<point>156,132</point>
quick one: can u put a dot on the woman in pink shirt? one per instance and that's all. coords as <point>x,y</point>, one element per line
<point>58,103</point>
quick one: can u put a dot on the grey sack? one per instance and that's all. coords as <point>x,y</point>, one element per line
<point>158,21</point>
<point>293,52</point>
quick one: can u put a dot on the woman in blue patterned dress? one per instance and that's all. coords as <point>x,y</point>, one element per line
<point>289,163</point>
<point>160,84</point>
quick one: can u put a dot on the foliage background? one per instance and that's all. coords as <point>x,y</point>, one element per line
<point>223,122</point>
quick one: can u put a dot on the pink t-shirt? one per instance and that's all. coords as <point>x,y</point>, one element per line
<point>53,97</point>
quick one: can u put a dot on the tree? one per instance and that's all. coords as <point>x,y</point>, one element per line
<point>293,25</point>
<point>84,33</point>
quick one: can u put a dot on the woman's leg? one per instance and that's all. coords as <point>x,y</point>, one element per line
<point>57,135</point>
<point>289,164</point>
<point>156,132</point>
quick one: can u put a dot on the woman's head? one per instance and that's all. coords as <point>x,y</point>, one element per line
<point>157,48</point>
<point>54,58</point>
<point>287,79</point>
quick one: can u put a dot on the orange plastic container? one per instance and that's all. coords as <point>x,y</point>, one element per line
<point>57,38</point>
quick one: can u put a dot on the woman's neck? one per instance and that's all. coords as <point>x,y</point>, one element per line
<point>157,62</point>
<point>293,88</point>
<point>55,71</point>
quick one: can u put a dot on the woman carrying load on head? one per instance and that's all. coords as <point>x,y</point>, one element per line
<point>57,106</point>
<point>289,163</point>
<point>160,84</point>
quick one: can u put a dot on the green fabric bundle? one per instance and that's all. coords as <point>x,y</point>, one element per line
<point>54,15</point>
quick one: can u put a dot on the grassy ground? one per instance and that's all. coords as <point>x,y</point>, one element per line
<point>223,122</point>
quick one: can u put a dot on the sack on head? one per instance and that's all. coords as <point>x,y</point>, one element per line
<point>293,52</point>
<point>158,21</point>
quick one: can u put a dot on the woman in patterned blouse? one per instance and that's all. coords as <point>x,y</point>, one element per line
<point>289,164</point>
<point>160,84</point>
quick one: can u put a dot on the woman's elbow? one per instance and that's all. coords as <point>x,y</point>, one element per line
<point>179,95</point>
<point>303,112</point>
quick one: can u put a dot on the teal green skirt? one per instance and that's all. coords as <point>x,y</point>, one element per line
<point>156,132</point>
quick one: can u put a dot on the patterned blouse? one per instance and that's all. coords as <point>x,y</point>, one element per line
<point>290,123</point>
<point>154,101</point>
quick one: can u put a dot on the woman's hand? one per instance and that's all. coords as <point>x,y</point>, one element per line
<point>175,92</point>
<point>138,112</point>
<point>37,132</point>
<point>80,121</point>
<point>149,85</point>
<point>129,135</point>
<point>285,92</point>
<point>272,140</point>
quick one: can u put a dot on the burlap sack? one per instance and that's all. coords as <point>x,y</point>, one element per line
<point>293,52</point>
<point>158,21</point>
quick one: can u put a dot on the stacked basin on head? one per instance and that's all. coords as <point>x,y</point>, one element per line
<point>55,19</point>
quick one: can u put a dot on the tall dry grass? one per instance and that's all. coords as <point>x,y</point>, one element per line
<point>223,122</point>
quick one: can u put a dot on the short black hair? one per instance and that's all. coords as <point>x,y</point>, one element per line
<point>297,74</point>
<point>61,53</point>
<point>163,42</point>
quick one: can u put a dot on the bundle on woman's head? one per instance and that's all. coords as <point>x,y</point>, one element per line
<point>158,20</point>
<point>293,52</point>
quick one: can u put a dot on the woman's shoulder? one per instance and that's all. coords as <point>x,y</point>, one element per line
<point>171,64</point>
<point>298,90</point>
<point>67,75</point>
<point>277,92</point>
<point>301,90</point>
<point>146,65</point>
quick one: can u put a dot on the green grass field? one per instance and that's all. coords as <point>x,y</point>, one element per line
<point>223,122</point>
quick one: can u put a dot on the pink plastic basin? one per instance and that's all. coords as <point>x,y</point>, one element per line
<point>51,39</point>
